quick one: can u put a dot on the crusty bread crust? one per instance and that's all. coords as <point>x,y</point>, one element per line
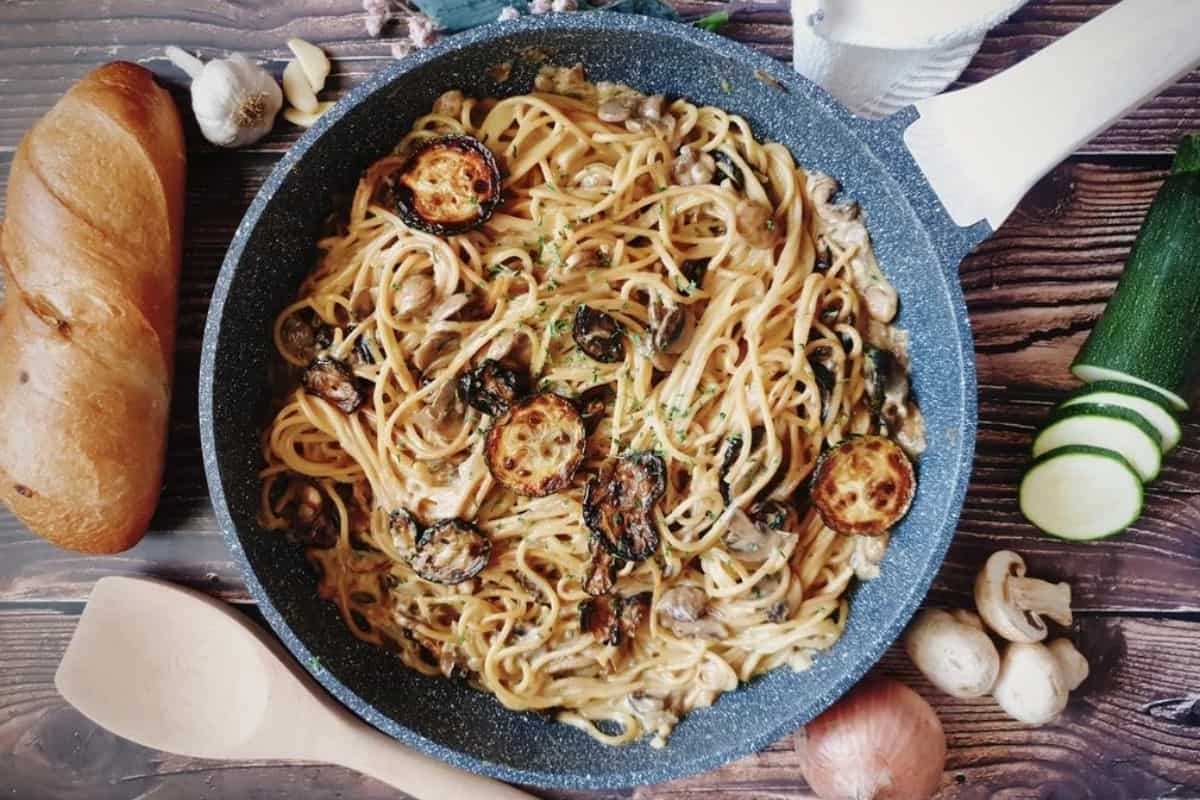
<point>91,250</point>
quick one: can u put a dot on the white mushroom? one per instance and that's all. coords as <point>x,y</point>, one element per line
<point>684,612</point>
<point>1071,662</point>
<point>953,652</point>
<point>1031,687</point>
<point>1013,605</point>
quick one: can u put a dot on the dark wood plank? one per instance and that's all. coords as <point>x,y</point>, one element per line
<point>48,45</point>
<point>1105,746</point>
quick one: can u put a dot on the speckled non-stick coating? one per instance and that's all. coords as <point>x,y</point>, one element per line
<point>272,249</point>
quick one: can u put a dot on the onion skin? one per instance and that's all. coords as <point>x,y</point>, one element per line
<point>881,741</point>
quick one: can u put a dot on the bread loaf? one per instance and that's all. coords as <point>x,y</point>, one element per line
<point>90,249</point>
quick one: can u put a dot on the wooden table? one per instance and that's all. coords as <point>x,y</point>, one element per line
<point>1034,290</point>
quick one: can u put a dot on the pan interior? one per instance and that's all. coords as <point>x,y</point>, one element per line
<point>273,249</point>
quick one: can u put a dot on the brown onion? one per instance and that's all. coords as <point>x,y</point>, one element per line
<point>881,741</point>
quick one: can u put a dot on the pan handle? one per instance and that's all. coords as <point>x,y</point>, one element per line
<point>981,148</point>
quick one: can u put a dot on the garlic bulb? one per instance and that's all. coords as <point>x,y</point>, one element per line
<point>235,100</point>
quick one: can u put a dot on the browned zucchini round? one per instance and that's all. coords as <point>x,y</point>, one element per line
<point>450,551</point>
<point>614,620</point>
<point>593,405</point>
<point>598,335</point>
<point>492,387</point>
<point>618,505</point>
<point>864,486</point>
<point>602,569</point>
<point>449,185</point>
<point>775,515</point>
<point>535,447</point>
<point>332,380</point>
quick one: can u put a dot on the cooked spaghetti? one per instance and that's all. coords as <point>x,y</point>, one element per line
<point>715,318</point>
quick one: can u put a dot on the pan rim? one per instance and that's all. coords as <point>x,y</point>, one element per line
<point>864,658</point>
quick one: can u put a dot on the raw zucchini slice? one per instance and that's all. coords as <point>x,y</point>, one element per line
<point>863,486</point>
<point>1118,429</point>
<point>1147,402</point>
<point>1090,373</point>
<point>1079,492</point>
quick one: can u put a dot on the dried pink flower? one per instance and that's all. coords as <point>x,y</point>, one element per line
<point>376,6</point>
<point>507,13</point>
<point>401,48</point>
<point>540,7</point>
<point>565,5</point>
<point>422,31</point>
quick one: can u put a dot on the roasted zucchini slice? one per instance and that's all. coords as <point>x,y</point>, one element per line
<point>593,405</point>
<point>598,335</point>
<point>864,486</point>
<point>732,483</point>
<point>614,620</point>
<point>404,530</point>
<point>618,505</point>
<point>333,381</point>
<point>535,447</point>
<point>602,569</point>
<point>449,185</point>
<point>450,551</point>
<point>492,387</point>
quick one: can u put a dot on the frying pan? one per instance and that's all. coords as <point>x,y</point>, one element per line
<point>933,180</point>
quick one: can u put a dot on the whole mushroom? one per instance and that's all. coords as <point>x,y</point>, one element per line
<point>953,651</point>
<point>1035,679</point>
<point>1013,605</point>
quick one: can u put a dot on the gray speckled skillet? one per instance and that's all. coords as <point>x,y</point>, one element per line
<point>917,242</point>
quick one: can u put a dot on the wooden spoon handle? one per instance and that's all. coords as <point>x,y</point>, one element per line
<point>365,750</point>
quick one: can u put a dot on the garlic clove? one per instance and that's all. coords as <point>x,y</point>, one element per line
<point>312,60</point>
<point>297,89</point>
<point>307,120</point>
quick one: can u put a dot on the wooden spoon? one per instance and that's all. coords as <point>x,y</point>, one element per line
<point>176,670</point>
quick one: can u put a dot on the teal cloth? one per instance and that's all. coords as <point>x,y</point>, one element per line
<point>457,15</point>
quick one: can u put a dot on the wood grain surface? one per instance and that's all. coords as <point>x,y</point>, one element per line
<point>1107,744</point>
<point>1034,290</point>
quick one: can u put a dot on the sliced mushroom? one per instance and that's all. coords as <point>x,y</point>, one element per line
<point>753,542</point>
<point>1013,605</point>
<point>443,404</point>
<point>414,294</point>
<point>449,104</point>
<point>431,348</point>
<point>492,387</point>
<point>305,335</point>
<point>953,652</point>
<point>683,611</point>
<point>535,446</point>
<point>313,521</point>
<point>333,381</point>
<point>692,166</point>
<point>449,307</point>
<point>844,225</point>
<point>450,551</point>
<point>667,323</point>
<point>755,223</point>
<point>618,108</point>
<point>598,335</point>
<point>618,505</point>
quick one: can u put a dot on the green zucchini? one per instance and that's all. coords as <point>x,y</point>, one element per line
<point>1150,332</point>
<point>1118,429</point>
<point>1080,492</point>
<point>1146,402</point>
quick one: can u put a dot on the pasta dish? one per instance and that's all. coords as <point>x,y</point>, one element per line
<point>594,401</point>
